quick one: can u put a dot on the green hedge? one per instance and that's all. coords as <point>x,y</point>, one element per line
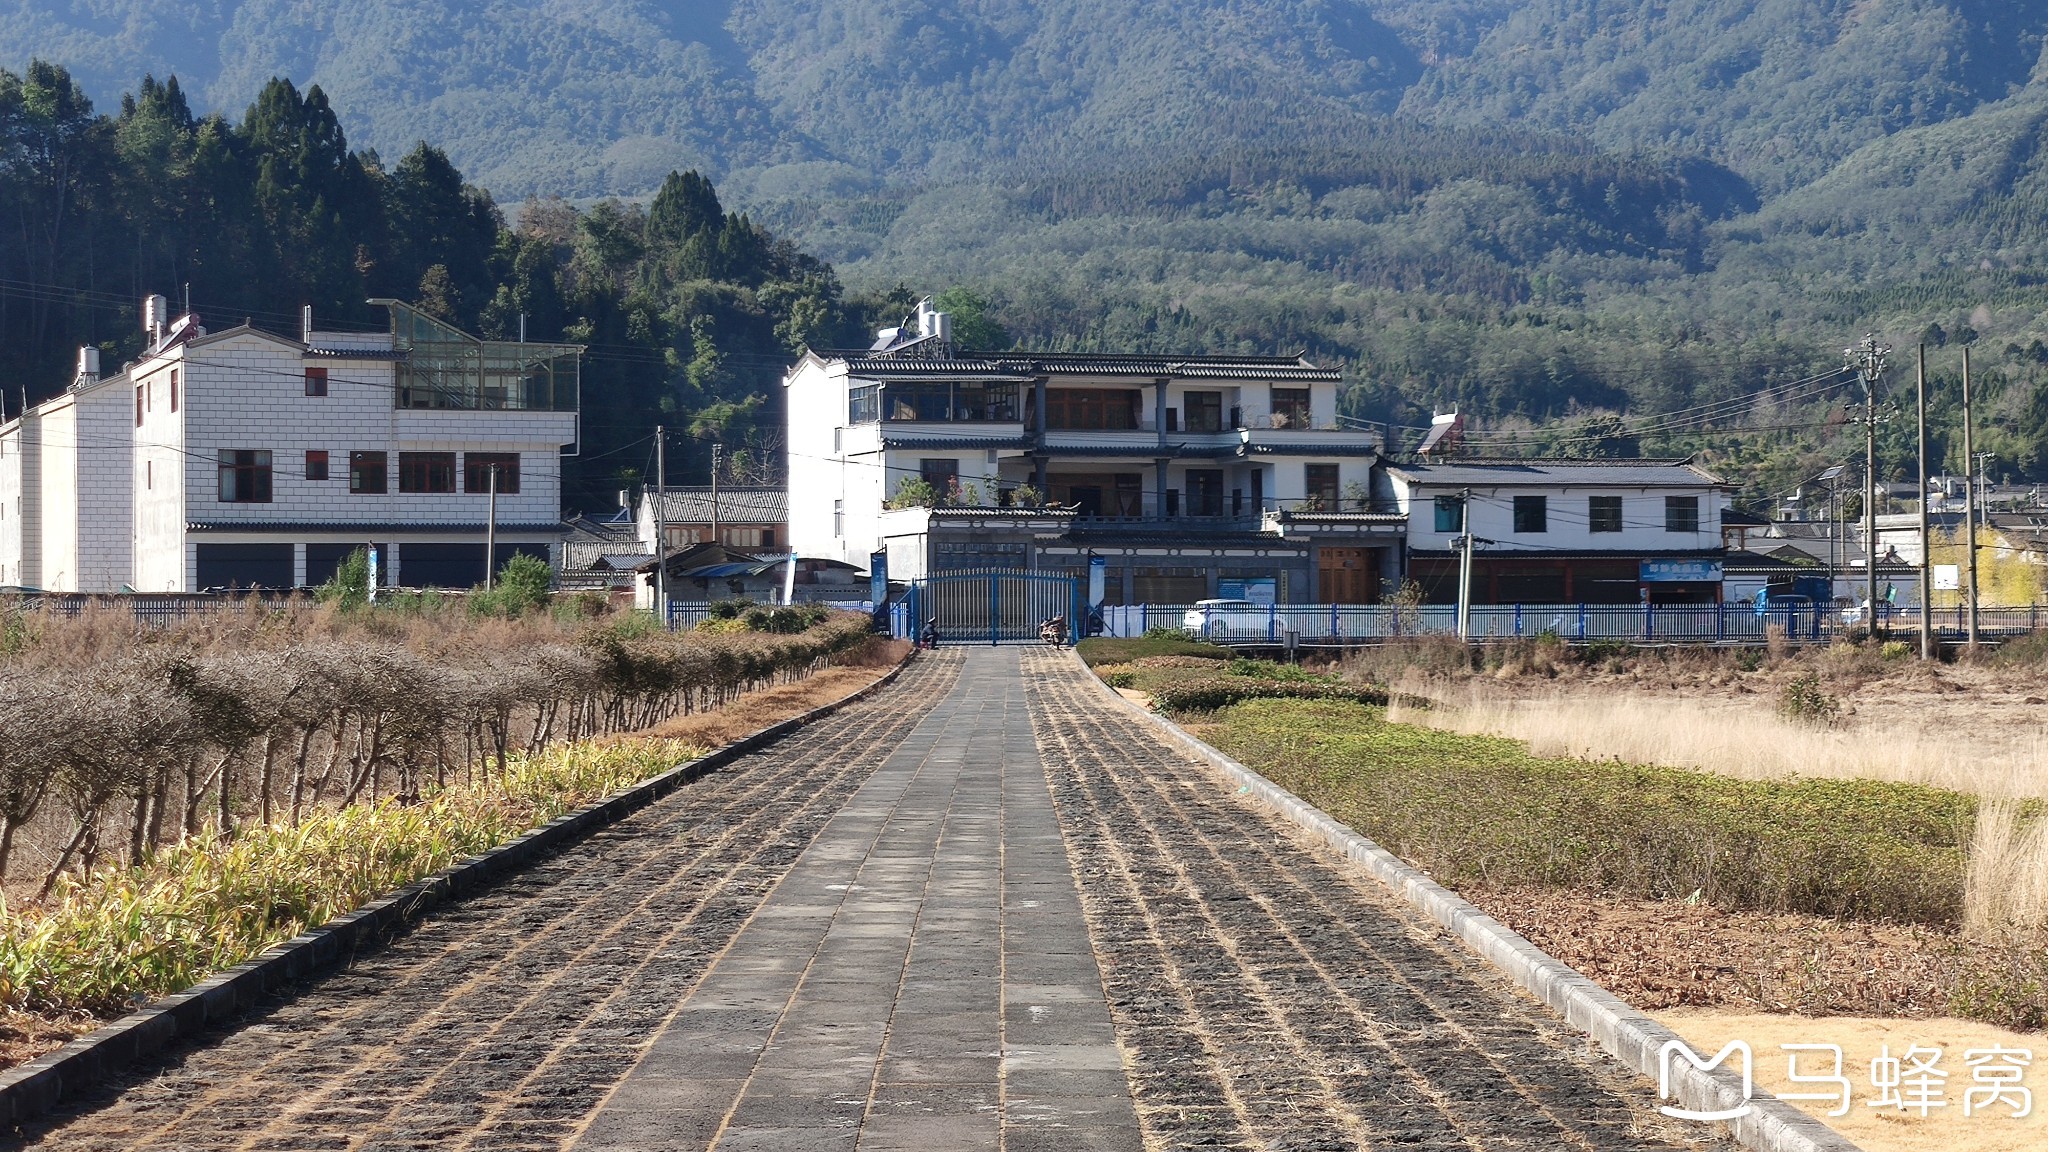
<point>1122,650</point>
<point>1207,695</point>
<point>1478,810</point>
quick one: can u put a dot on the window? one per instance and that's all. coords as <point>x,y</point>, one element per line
<point>244,476</point>
<point>1322,486</point>
<point>430,472</point>
<point>1290,408</point>
<point>316,381</point>
<point>149,474</point>
<point>476,472</point>
<point>1092,409</point>
<point>943,474</point>
<point>864,404</point>
<point>140,392</point>
<point>1205,411</point>
<point>174,389</point>
<point>1205,492</point>
<point>1681,513</point>
<point>1603,514</point>
<point>1450,514</point>
<point>838,441</point>
<point>839,518</point>
<point>368,474</point>
<point>1532,514</point>
<point>316,465</point>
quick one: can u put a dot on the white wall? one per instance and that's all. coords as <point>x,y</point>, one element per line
<point>1493,518</point>
<point>58,485</point>
<point>15,445</point>
<point>159,474</point>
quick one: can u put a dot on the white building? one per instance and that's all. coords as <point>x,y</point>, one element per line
<point>1565,531</point>
<point>247,459</point>
<point>65,475</point>
<point>1187,473</point>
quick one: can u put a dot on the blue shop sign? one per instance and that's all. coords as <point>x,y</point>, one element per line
<point>1681,572</point>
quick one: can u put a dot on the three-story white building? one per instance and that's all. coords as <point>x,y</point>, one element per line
<point>1188,474</point>
<point>247,459</point>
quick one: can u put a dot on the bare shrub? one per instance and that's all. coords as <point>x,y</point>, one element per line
<point>124,738</point>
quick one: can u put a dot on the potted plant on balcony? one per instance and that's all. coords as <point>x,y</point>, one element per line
<point>914,492</point>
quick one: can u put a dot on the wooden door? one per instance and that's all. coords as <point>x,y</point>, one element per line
<point>1349,575</point>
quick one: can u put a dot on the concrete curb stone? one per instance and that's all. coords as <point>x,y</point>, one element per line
<point>1770,1125</point>
<point>38,1086</point>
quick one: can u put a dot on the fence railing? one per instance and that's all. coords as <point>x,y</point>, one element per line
<point>1325,625</point>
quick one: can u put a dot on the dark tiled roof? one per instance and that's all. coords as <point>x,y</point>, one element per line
<point>735,505</point>
<point>1560,473</point>
<point>1492,552</point>
<point>936,442</point>
<point>358,528</point>
<point>1027,365</point>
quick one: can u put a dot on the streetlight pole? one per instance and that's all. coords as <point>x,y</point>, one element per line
<point>1926,555</point>
<point>1465,567</point>
<point>660,527</point>
<point>1970,500</point>
<point>1869,360</point>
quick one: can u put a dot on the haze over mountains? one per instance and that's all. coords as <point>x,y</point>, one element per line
<point>1527,207</point>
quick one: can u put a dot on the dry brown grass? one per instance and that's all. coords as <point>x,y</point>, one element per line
<point>1743,736</point>
<point>757,710</point>
<point>1970,728</point>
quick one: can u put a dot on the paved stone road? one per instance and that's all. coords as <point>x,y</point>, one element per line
<point>983,910</point>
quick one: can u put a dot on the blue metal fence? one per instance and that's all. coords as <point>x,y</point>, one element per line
<point>1326,625</point>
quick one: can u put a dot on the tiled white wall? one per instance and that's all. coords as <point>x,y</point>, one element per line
<point>15,450</point>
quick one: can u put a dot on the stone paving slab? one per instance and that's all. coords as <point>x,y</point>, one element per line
<point>921,979</point>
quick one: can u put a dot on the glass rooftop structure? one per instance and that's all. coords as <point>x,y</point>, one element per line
<point>445,367</point>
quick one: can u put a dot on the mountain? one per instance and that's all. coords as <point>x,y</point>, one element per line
<point>1528,209</point>
<point>599,97</point>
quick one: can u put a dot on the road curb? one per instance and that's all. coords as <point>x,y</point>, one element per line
<point>1770,1125</point>
<point>37,1087</point>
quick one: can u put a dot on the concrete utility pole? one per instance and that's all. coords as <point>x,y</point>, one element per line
<point>1969,502</point>
<point>660,526</point>
<point>1465,567</point>
<point>717,457</point>
<point>1926,552</point>
<point>1868,360</point>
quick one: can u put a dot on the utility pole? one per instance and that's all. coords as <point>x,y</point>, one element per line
<point>717,457</point>
<point>1970,502</point>
<point>491,531</point>
<point>1868,360</point>
<point>1926,554</point>
<point>660,526</point>
<point>1465,567</point>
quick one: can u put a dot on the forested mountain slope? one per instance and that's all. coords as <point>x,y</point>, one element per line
<point>1534,210</point>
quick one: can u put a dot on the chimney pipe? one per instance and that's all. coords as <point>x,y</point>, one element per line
<point>306,324</point>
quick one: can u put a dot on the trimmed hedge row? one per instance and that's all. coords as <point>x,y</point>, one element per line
<point>1207,695</point>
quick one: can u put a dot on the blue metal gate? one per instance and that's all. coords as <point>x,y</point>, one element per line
<point>994,605</point>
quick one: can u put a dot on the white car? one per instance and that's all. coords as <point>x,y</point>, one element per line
<point>1228,620</point>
